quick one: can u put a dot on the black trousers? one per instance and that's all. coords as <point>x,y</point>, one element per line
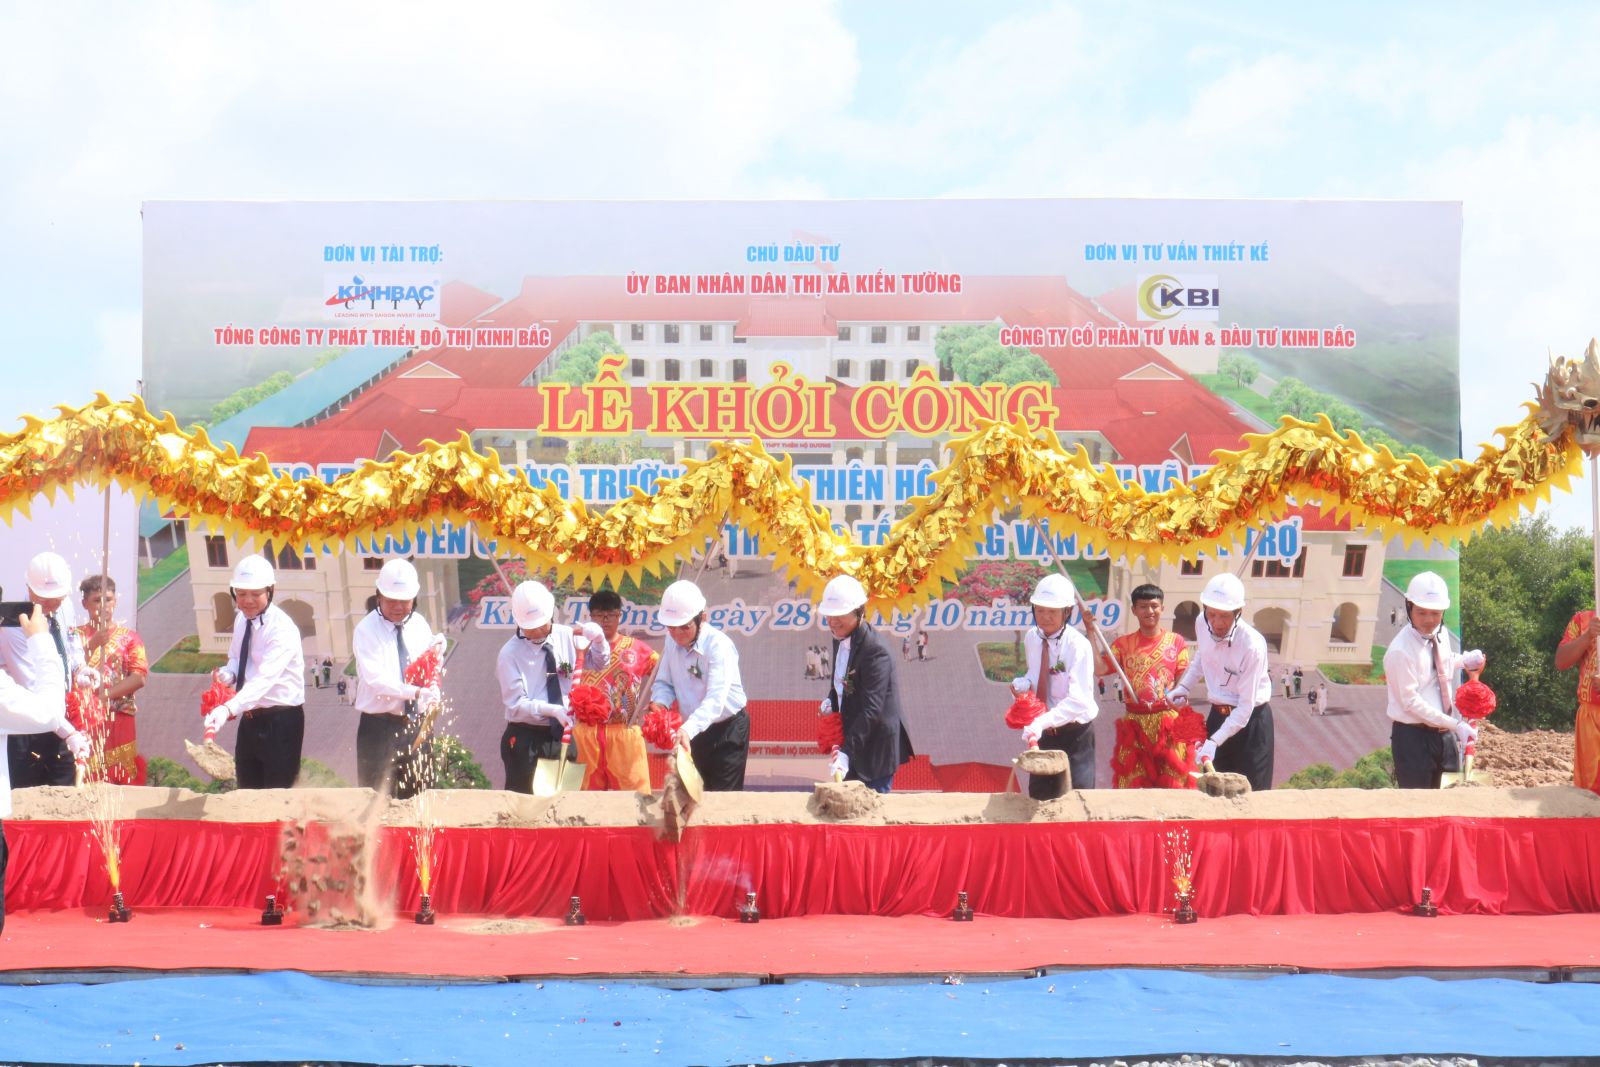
<point>384,760</point>
<point>720,752</point>
<point>523,745</point>
<point>39,759</point>
<point>268,752</point>
<point>1418,755</point>
<point>1077,741</point>
<point>1250,751</point>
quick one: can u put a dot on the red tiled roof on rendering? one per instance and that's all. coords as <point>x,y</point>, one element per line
<point>314,445</point>
<point>784,317</point>
<point>460,303</point>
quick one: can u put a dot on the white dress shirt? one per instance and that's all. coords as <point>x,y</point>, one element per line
<point>523,673</point>
<point>1070,658</point>
<point>841,664</point>
<point>17,659</point>
<point>32,709</point>
<point>381,687</point>
<point>276,674</point>
<point>1236,673</point>
<point>703,679</point>
<point>1413,679</point>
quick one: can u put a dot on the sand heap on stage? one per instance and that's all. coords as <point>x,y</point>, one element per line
<point>479,807</point>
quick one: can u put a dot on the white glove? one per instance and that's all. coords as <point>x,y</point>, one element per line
<point>1473,661</point>
<point>217,718</point>
<point>1021,685</point>
<point>1178,696</point>
<point>439,644</point>
<point>78,745</point>
<point>86,677</point>
<point>427,698</point>
<point>223,676</point>
<point>840,763</point>
<point>826,707</point>
<point>1207,752</point>
<point>1032,732</point>
<point>1465,732</point>
<point>557,713</point>
<point>592,633</point>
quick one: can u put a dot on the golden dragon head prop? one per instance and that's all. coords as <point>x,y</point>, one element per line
<point>1570,396</point>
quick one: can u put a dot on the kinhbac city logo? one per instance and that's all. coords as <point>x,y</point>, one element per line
<point>380,296</point>
<point>1178,298</point>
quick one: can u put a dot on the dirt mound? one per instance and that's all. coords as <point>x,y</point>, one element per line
<point>1536,757</point>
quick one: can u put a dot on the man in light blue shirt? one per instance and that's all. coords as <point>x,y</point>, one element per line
<point>700,670</point>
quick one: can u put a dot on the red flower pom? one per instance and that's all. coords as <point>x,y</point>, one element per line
<point>1024,710</point>
<point>589,705</point>
<point>1475,701</point>
<point>830,732</point>
<point>1189,726</point>
<point>424,670</point>
<point>660,725</point>
<point>217,695</point>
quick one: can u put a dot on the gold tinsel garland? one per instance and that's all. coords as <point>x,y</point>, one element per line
<point>997,467</point>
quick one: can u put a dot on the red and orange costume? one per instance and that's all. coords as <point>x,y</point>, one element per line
<point>1586,742</point>
<point>1150,752</point>
<point>613,754</point>
<point>121,655</point>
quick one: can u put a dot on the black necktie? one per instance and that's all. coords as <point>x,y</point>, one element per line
<point>61,648</point>
<point>405,661</point>
<point>552,682</point>
<point>244,653</point>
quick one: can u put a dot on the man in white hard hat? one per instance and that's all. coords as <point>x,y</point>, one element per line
<point>267,666</point>
<point>40,705</point>
<point>536,669</point>
<point>1426,734</point>
<point>42,758</point>
<point>1061,673</point>
<point>700,671</point>
<point>388,639</point>
<point>864,689</point>
<point>1231,657</point>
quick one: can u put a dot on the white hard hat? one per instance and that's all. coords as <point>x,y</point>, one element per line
<point>681,602</point>
<point>842,596</point>
<point>1054,591</point>
<point>1224,591</point>
<point>49,576</point>
<point>532,605</point>
<point>1427,590</point>
<point>398,580</point>
<point>253,572</point>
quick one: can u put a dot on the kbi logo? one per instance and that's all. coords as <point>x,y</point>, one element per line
<point>388,296</point>
<point>1189,298</point>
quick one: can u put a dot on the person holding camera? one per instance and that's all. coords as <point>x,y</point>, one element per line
<point>41,705</point>
<point>41,758</point>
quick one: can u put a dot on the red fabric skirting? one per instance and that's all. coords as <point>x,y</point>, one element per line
<point>1053,870</point>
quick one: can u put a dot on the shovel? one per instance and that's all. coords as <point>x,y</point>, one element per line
<point>212,758</point>
<point>688,773</point>
<point>552,776</point>
<point>1215,783</point>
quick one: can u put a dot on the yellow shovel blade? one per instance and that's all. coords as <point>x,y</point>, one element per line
<point>689,774</point>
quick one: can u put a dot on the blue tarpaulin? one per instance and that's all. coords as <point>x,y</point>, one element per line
<point>285,1017</point>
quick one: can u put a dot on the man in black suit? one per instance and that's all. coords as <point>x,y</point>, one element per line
<point>864,690</point>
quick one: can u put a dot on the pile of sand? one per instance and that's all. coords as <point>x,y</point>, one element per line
<point>1537,757</point>
<point>475,807</point>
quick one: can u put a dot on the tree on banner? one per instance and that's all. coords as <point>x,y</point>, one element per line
<point>975,354</point>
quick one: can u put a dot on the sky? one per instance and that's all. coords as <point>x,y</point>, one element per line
<point>103,107</point>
